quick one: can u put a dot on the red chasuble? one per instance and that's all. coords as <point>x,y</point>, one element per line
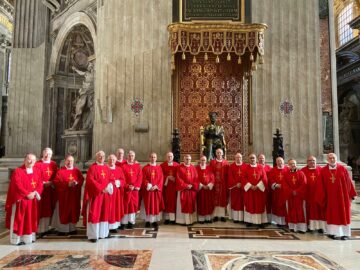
<point>169,190</point>
<point>26,214</point>
<point>295,181</point>
<point>48,197</point>
<point>68,197</point>
<point>187,175</point>
<point>236,176</point>
<point>277,176</point>
<point>267,169</point>
<point>220,170</point>
<point>120,163</point>
<point>336,193</point>
<point>133,176</point>
<point>117,198</point>
<point>313,210</point>
<point>254,200</point>
<point>96,202</point>
<point>205,197</point>
<point>152,176</point>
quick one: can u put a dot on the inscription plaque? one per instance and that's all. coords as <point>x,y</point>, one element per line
<point>212,10</point>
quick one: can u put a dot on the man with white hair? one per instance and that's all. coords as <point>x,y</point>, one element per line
<point>336,193</point>
<point>236,177</point>
<point>117,178</point>
<point>276,184</point>
<point>187,185</point>
<point>315,214</point>
<point>295,195</point>
<point>220,168</point>
<point>120,160</point>
<point>205,197</point>
<point>47,204</point>
<point>96,206</point>
<point>152,187</point>
<point>255,190</point>
<point>133,180</point>
<point>169,168</point>
<point>68,183</point>
<point>22,201</point>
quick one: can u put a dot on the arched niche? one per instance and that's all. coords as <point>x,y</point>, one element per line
<point>74,46</point>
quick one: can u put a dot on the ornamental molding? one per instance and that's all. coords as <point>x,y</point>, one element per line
<point>236,38</point>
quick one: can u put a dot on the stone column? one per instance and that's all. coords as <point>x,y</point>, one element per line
<point>334,79</point>
<point>25,106</point>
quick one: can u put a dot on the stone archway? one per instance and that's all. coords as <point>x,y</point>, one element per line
<point>74,49</point>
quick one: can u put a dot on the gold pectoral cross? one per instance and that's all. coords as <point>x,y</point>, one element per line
<point>204,176</point>
<point>313,177</point>
<point>239,173</point>
<point>33,183</point>
<point>48,171</point>
<point>188,174</point>
<point>254,174</point>
<point>333,178</point>
<point>103,174</point>
<point>280,177</point>
<point>131,172</point>
<point>71,178</point>
<point>293,180</point>
<point>153,173</point>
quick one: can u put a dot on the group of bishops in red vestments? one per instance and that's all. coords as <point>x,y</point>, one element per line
<point>312,198</point>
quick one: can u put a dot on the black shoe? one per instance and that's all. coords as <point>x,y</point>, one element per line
<point>173,222</point>
<point>113,231</point>
<point>155,225</point>
<point>61,234</point>
<point>108,236</point>
<point>147,225</point>
<point>121,227</point>
<point>202,222</point>
<point>302,232</point>
<point>216,219</point>
<point>236,221</point>
<point>344,238</point>
<point>130,226</point>
<point>223,219</point>
<point>331,236</point>
<point>166,222</point>
<point>73,232</point>
<point>210,221</point>
<point>248,224</point>
<point>93,240</point>
<point>21,244</point>
<point>41,235</point>
<point>261,226</point>
<point>320,231</point>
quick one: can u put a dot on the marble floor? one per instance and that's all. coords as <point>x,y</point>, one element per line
<point>173,248</point>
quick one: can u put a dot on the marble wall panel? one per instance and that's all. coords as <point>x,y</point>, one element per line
<point>133,61</point>
<point>291,72</point>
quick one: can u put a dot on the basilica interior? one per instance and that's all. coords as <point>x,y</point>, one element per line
<point>80,76</point>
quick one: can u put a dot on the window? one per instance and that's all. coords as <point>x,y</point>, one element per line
<point>344,30</point>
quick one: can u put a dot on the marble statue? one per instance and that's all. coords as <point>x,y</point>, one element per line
<point>84,111</point>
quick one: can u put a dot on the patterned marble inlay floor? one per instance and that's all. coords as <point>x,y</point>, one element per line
<point>81,234</point>
<point>241,233</point>
<point>58,259</point>
<point>230,260</point>
<point>270,233</point>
